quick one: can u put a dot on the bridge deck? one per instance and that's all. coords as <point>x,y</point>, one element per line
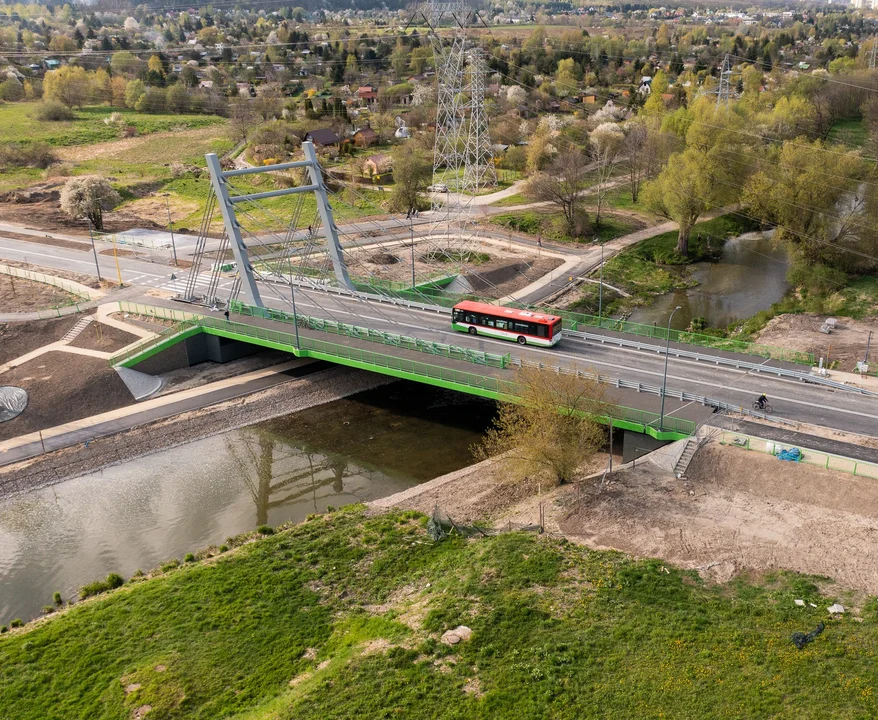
<point>639,411</point>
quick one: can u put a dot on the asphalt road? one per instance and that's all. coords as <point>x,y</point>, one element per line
<point>792,400</point>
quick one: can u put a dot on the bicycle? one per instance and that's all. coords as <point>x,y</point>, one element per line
<point>764,407</point>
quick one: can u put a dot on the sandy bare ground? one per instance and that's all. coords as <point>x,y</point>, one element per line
<point>124,149</point>
<point>20,295</point>
<point>846,344</point>
<point>738,511</point>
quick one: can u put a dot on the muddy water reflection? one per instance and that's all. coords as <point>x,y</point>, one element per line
<point>749,277</point>
<point>139,514</point>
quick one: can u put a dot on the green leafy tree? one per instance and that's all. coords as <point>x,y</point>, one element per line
<point>690,185</point>
<point>411,176</point>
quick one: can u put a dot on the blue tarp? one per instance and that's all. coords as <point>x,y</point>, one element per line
<point>791,455</point>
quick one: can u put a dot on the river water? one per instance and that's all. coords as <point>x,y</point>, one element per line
<point>144,512</point>
<point>749,277</point>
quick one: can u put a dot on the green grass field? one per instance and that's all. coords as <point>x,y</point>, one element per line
<point>851,132</point>
<point>552,227</point>
<point>340,618</point>
<point>17,125</point>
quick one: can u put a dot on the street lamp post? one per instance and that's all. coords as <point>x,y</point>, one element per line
<point>171,229</point>
<point>412,238</point>
<point>295,317</point>
<point>94,250</point>
<point>665,376</point>
<point>601,285</point>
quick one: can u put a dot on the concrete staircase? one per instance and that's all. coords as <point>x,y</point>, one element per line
<point>74,332</point>
<point>686,456</point>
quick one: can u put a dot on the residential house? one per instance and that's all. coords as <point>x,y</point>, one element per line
<point>367,94</point>
<point>378,164</point>
<point>365,137</point>
<point>325,137</point>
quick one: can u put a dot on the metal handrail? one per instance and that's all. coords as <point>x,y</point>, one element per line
<point>719,360</point>
<point>503,389</point>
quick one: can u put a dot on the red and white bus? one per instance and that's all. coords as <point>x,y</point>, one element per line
<point>524,326</point>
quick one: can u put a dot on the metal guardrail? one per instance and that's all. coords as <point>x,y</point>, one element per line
<point>719,360</point>
<point>498,387</point>
<point>404,342</point>
<point>572,320</point>
<point>680,395</point>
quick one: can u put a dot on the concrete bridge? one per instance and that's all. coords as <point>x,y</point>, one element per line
<point>416,343</point>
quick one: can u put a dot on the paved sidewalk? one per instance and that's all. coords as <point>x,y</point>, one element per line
<point>791,437</point>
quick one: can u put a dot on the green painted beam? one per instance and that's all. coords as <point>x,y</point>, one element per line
<point>443,382</point>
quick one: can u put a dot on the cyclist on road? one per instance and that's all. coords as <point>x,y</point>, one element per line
<point>762,400</point>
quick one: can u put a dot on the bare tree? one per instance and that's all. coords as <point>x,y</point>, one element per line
<point>636,136</point>
<point>562,184</point>
<point>606,146</point>
<point>242,117</point>
<point>553,430</point>
<point>87,197</point>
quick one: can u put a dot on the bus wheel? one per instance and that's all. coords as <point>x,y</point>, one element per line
<point>473,331</point>
<point>522,340</point>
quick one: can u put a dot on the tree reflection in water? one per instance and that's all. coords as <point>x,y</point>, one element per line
<point>277,473</point>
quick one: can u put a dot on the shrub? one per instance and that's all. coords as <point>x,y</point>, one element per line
<point>170,565</point>
<point>56,598</point>
<point>138,573</point>
<point>111,582</point>
<point>37,155</point>
<point>48,609</point>
<point>3,629</point>
<point>52,111</point>
<point>223,548</point>
<point>59,170</point>
<point>265,530</point>
<point>188,557</point>
<point>11,90</point>
<point>16,623</point>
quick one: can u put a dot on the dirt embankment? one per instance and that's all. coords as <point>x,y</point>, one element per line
<point>20,295</point>
<point>63,387</point>
<point>846,344</point>
<point>737,511</point>
<point>20,338</point>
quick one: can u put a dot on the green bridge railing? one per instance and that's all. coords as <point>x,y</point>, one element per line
<point>474,383</point>
<point>404,342</point>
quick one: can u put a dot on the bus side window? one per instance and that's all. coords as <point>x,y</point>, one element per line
<point>456,315</point>
<point>501,324</point>
<point>542,331</point>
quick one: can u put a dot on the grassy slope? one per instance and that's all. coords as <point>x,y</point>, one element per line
<point>559,631</point>
<point>16,125</point>
<point>551,225</point>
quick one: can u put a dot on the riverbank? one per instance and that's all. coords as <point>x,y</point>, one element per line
<point>510,626</point>
<point>289,397</point>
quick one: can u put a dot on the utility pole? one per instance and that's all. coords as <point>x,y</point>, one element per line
<point>171,229</point>
<point>868,345</point>
<point>665,377</point>
<point>601,285</point>
<point>94,250</point>
<point>295,316</point>
<point>872,54</point>
<point>412,239</point>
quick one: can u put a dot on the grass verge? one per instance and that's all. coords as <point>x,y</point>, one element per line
<point>340,617</point>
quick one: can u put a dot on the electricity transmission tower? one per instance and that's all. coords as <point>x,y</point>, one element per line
<point>723,93</point>
<point>479,169</point>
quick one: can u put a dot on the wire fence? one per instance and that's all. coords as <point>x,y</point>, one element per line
<point>820,458</point>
